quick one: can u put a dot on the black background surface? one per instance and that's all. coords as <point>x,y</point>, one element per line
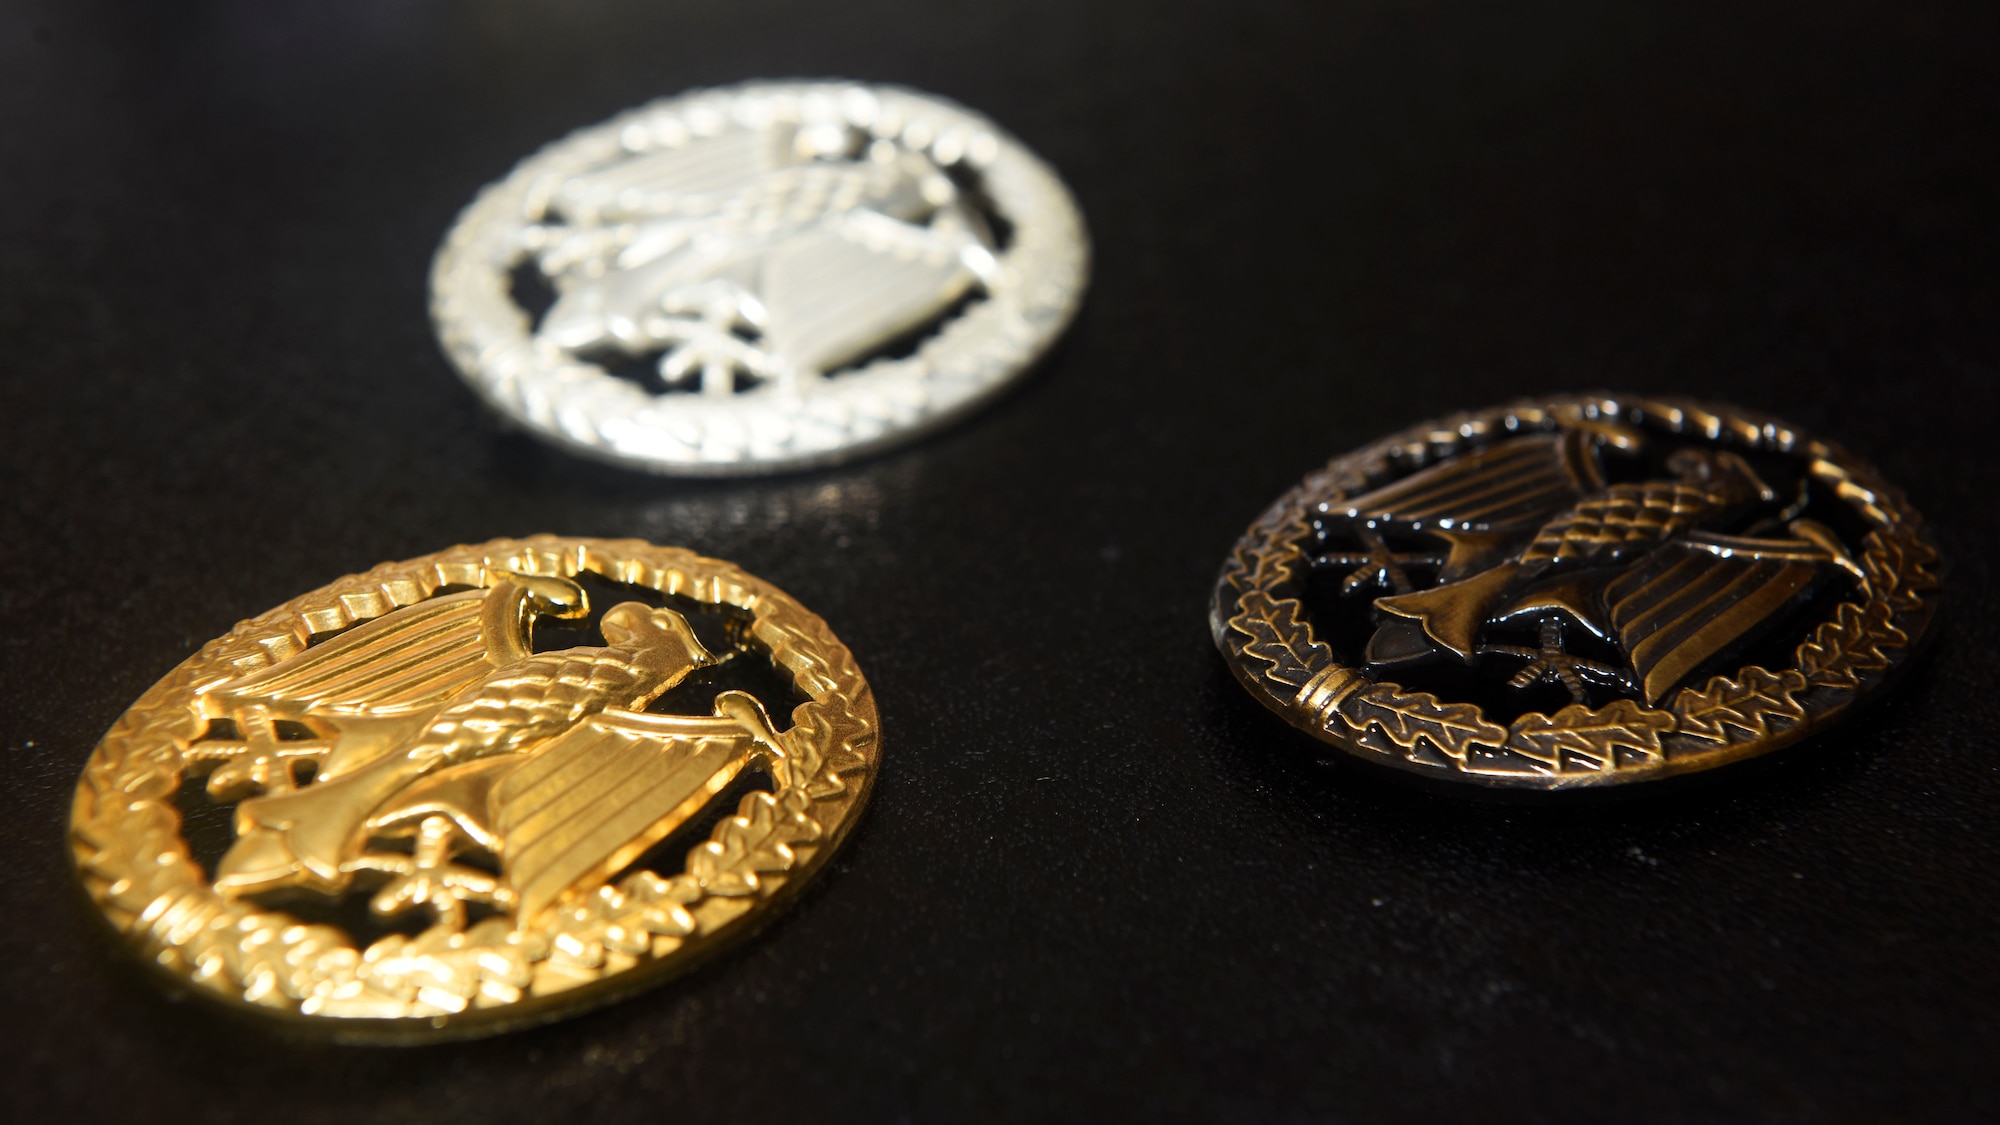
<point>1094,879</point>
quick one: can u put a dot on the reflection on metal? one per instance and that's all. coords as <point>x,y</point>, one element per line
<point>423,759</point>
<point>1576,592</point>
<point>763,277</point>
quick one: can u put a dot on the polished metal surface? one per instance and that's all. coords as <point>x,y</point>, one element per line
<point>1577,592</point>
<point>760,277</point>
<point>465,793</point>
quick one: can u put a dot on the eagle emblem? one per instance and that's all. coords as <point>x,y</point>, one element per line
<point>484,785</point>
<point>767,255</point>
<point>1656,574</point>
<point>1576,592</point>
<point>437,731</point>
<point>761,276</point>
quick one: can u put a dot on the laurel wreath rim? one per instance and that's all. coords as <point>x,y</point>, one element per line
<point>1317,695</point>
<point>581,408</point>
<point>126,841</point>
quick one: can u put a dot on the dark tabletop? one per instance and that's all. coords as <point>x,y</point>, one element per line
<point>1094,879</point>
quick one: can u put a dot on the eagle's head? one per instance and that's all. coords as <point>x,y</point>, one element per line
<point>553,596</point>
<point>1725,476</point>
<point>659,641</point>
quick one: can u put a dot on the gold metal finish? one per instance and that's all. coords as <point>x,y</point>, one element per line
<point>395,737</point>
<point>1576,592</point>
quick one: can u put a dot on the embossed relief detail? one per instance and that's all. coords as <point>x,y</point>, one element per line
<point>1576,591</point>
<point>757,277</point>
<point>394,740</point>
<point>760,254</point>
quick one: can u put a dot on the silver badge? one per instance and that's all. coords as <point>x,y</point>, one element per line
<point>759,278</point>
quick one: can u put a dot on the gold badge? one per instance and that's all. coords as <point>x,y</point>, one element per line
<point>479,788</point>
<point>1577,592</point>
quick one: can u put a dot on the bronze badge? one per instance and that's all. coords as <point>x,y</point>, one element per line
<point>1576,592</point>
<point>469,790</point>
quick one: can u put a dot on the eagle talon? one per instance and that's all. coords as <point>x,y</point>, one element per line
<point>1549,662</point>
<point>708,351</point>
<point>1377,565</point>
<point>428,877</point>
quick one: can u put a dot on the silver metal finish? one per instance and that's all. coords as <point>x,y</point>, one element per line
<point>781,274</point>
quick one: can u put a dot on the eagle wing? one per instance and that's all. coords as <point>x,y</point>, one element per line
<point>1700,594</point>
<point>1484,501</point>
<point>592,800</point>
<point>695,178</point>
<point>634,228</point>
<point>839,290</point>
<point>404,661</point>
